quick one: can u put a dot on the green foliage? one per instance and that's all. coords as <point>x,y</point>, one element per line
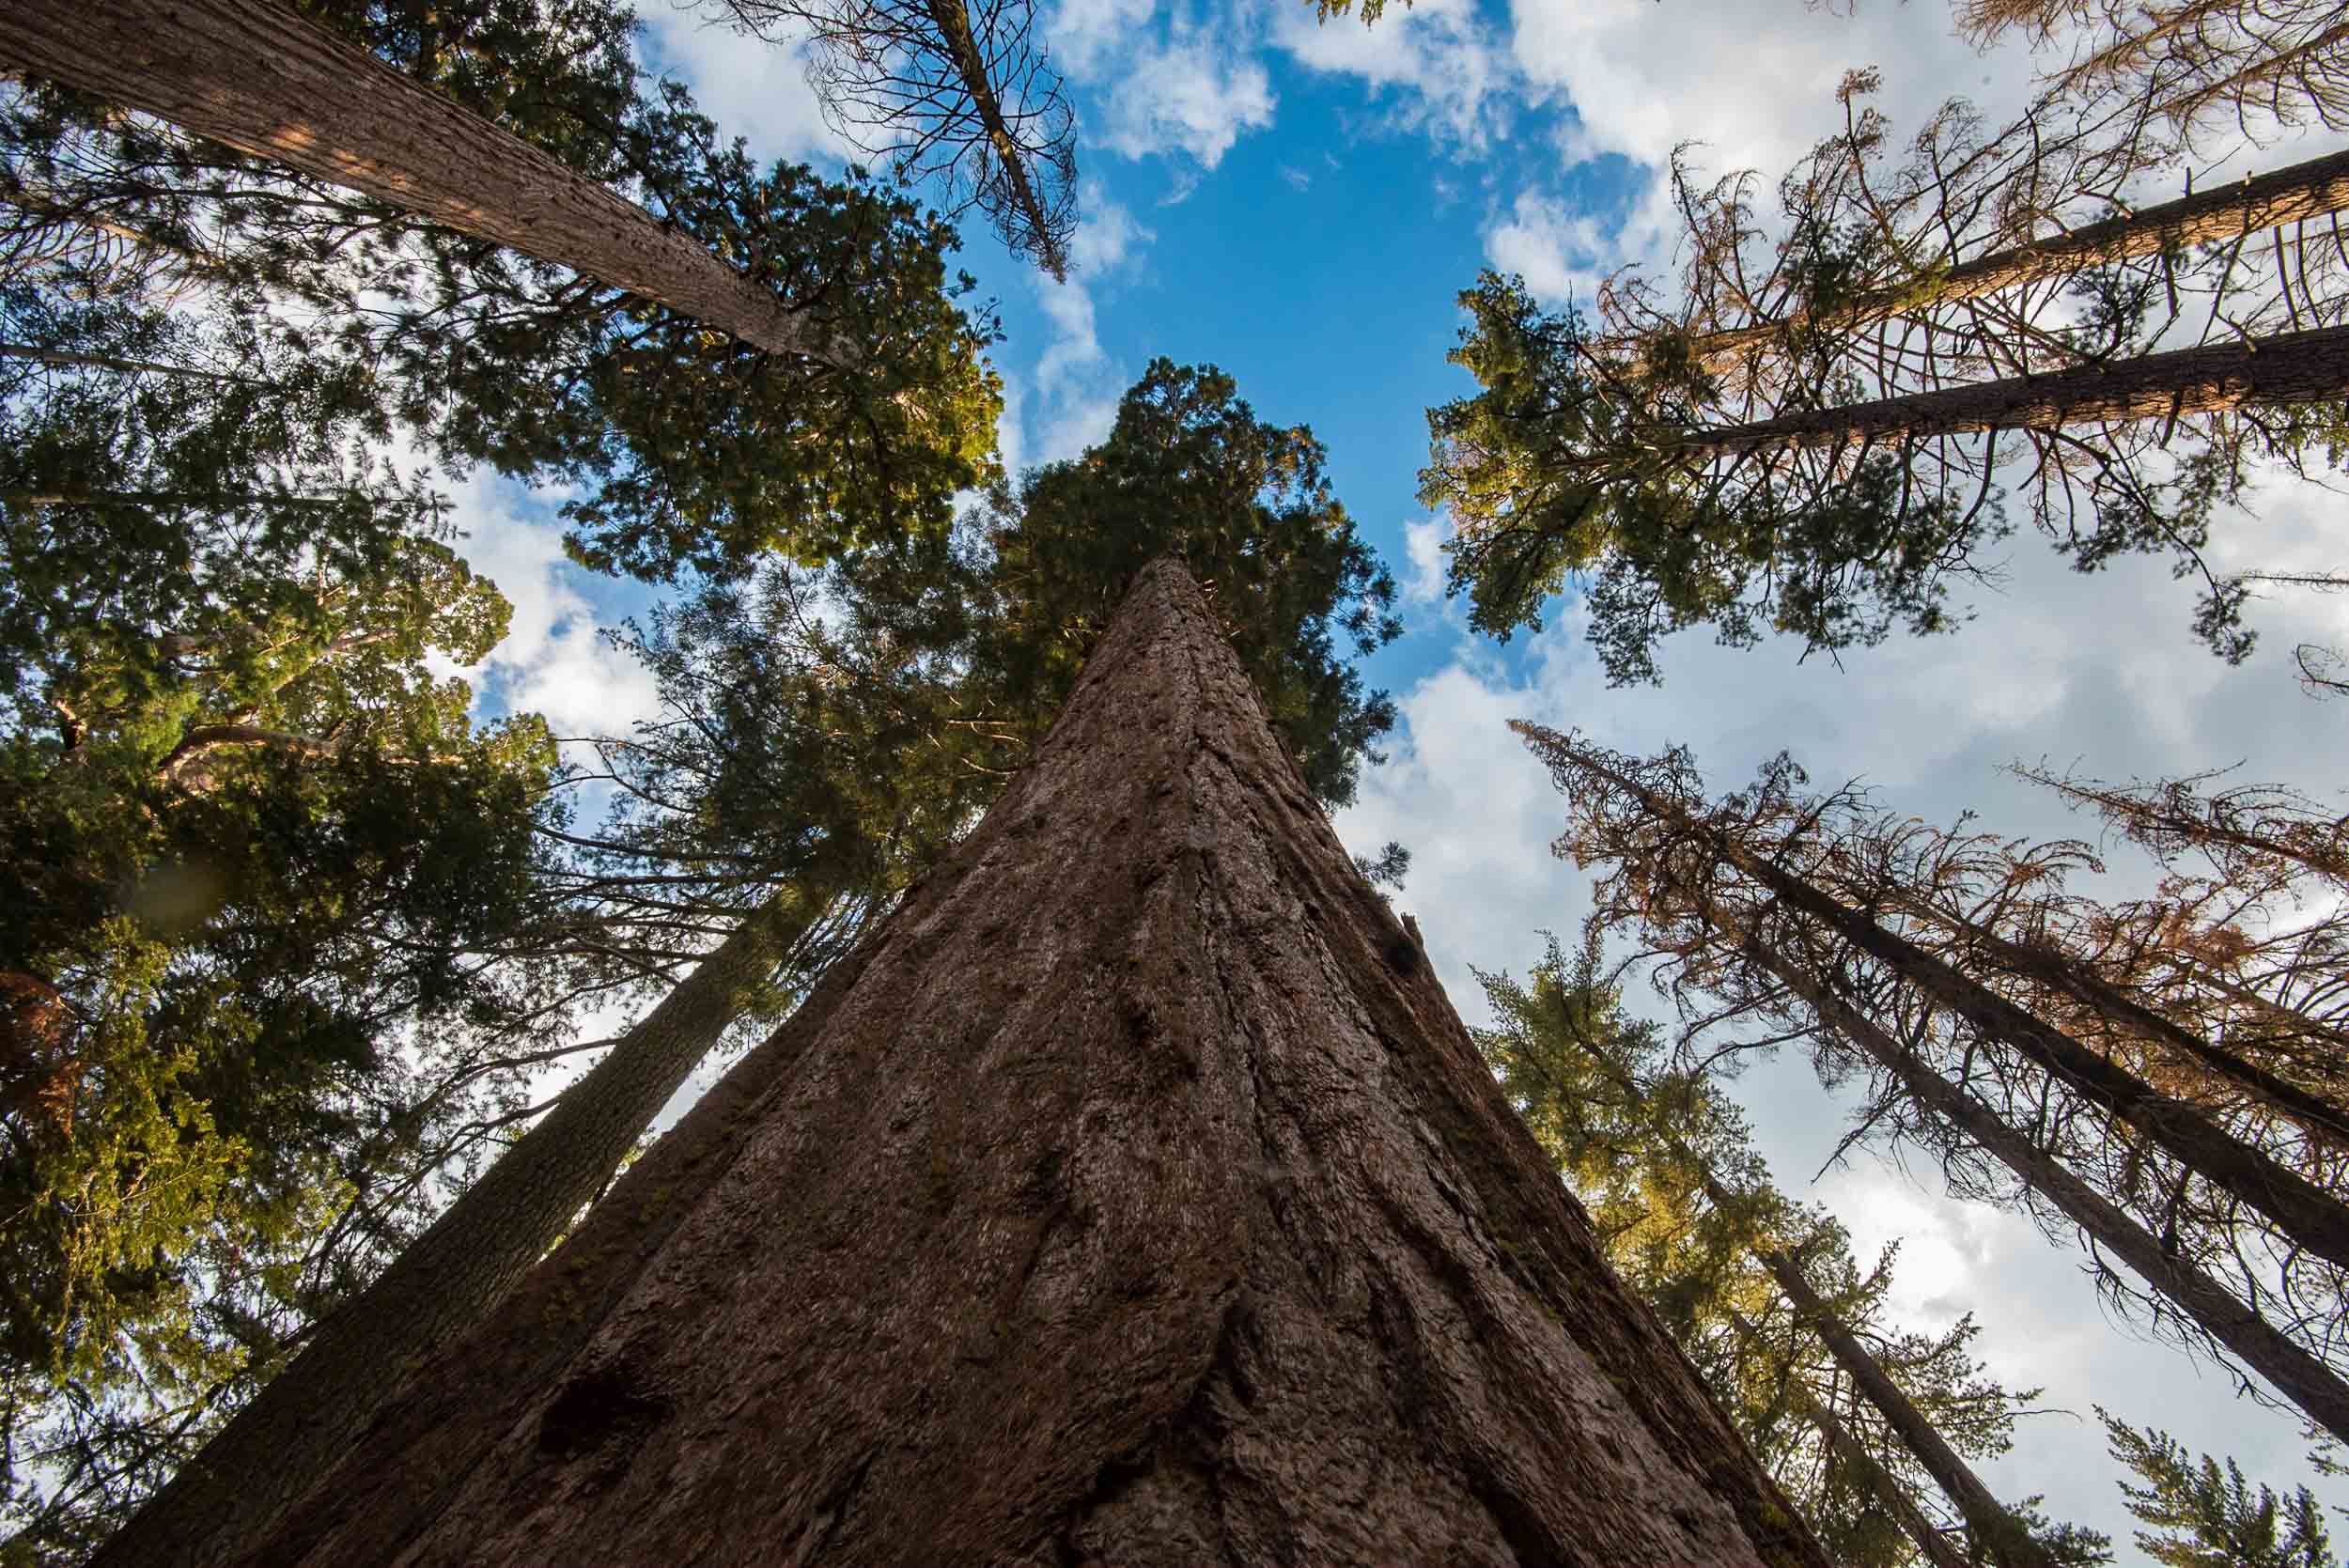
<point>1562,468</point>
<point>690,452</point>
<point>2207,1517</point>
<point>1663,1162</point>
<point>249,835</point>
<point>1190,471</point>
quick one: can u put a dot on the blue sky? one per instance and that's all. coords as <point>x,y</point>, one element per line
<point>1300,205</point>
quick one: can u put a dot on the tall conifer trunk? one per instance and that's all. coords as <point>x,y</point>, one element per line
<point>2310,366</point>
<point>1132,1194</point>
<point>265,80</point>
<point>2315,189</point>
<point>298,1426</point>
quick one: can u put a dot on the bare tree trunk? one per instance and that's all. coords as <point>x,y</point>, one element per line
<point>256,76</point>
<point>2310,189</point>
<point>1132,1195</point>
<point>2292,367</point>
<point>953,20</point>
<point>2299,1376</point>
<point>2301,1211</point>
<point>2003,1535</point>
<point>305,1418</point>
<point>1930,1544</point>
<point>64,359</point>
<point>2060,972</point>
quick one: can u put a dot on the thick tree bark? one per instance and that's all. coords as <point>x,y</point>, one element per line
<point>2292,367</point>
<point>1132,1195</point>
<point>258,77</point>
<point>2257,202</point>
<point>2303,1212</point>
<point>2305,1380</point>
<point>1998,1531</point>
<point>305,1418</point>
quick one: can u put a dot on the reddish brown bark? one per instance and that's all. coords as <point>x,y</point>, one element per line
<point>262,79</point>
<point>1132,1194</point>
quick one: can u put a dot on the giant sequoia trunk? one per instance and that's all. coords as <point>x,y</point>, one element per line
<point>262,79</point>
<point>301,1423</point>
<point>1132,1194</point>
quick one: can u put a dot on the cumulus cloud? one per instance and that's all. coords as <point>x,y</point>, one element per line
<point>1557,248</point>
<point>1182,84</point>
<point>1422,547</point>
<point>552,660</point>
<point>1442,67</point>
<point>751,88</point>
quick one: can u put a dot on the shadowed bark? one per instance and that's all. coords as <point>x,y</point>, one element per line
<point>1132,1195</point>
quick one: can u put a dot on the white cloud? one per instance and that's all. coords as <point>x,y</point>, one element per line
<point>1189,95</point>
<point>751,89</point>
<point>1446,68</point>
<point>1070,397</point>
<point>552,660</point>
<point>1106,233</point>
<point>1182,84</point>
<point>1556,248</point>
<point>1423,543</point>
<point>1756,87</point>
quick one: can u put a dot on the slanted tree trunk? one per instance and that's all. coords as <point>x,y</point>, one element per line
<point>2000,1532</point>
<point>2291,367</point>
<point>2060,972</point>
<point>1130,1195</point>
<point>2310,190</point>
<point>65,359</point>
<point>2304,1380</point>
<point>2305,1214</point>
<point>1931,1545</point>
<point>305,1418</point>
<point>258,77</point>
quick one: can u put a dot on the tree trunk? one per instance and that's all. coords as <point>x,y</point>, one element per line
<point>1132,1195</point>
<point>256,76</point>
<point>65,359</point>
<point>1934,1546</point>
<point>2067,977</point>
<point>306,1418</point>
<point>2299,1376</point>
<point>2257,202</point>
<point>2292,367</point>
<point>2301,1211</point>
<point>952,20</point>
<point>2000,1532</point>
